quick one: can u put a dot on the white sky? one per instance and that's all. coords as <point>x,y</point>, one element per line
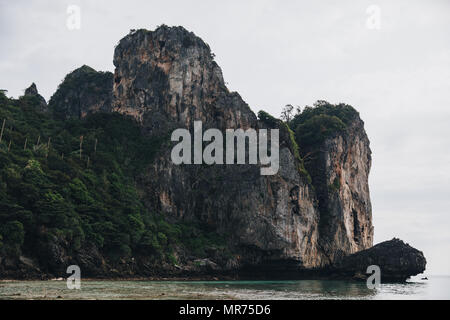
<point>279,52</point>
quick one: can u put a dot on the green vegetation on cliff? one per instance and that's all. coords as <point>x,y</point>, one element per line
<point>273,122</point>
<point>82,89</point>
<point>314,124</point>
<point>73,182</point>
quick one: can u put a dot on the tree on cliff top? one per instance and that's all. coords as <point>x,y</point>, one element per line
<point>287,112</point>
<point>314,124</point>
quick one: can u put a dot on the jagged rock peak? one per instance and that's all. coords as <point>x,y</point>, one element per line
<point>172,37</point>
<point>32,91</point>
<point>165,44</point>
<point>169,76</point>
<point>82,92</point>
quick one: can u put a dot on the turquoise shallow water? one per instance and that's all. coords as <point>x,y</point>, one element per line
<point>437,287</point>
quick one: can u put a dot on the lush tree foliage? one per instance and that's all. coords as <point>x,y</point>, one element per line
<point>74,181</point>
<point>314,124</point>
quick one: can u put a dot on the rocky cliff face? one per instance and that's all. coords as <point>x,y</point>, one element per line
<point>347,212</point>
<point>166,79</point>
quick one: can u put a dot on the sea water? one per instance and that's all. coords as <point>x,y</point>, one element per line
<point>437,287</point>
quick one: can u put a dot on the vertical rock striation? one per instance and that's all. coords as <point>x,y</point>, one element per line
<point>337,154</point>
<point>347,222</point>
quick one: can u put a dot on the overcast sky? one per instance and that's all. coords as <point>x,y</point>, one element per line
<point>394,70</point>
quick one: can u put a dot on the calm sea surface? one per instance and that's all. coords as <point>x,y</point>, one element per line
<point>437,287</point>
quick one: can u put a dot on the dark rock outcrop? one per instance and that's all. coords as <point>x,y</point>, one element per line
<point>397,261</point>
<point>82,92</point>
<point>20,268</point>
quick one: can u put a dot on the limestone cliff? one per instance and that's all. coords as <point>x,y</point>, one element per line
<point>167,79</point>
<point>347,225</point>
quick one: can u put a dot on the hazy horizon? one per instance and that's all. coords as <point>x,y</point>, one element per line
<point>397,76</point>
